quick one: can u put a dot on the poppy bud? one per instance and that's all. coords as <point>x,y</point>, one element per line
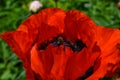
<point>118,5</point>
<point>35,6</point>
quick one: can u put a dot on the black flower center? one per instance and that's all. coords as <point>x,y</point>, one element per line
<point>57,41</point>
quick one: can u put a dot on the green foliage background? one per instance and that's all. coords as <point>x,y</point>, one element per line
<point>14,12</point>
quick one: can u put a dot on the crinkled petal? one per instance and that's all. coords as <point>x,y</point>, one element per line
<point>44,25</point>
<point>20,43</point>
<point>41,61</point>
<point>108,40</point>
<point>52,23</point>
<point>49,63</point>
<point>61,63</point>
<point>79,26</point>
<point>81,62</point>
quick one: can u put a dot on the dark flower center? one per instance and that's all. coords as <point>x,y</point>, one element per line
<point>57,41</point>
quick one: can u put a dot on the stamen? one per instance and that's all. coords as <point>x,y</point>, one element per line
<point>57,41</point>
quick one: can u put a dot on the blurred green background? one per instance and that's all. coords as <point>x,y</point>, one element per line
<point>14,12</point>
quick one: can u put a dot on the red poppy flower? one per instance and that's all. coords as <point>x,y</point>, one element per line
<point>58,45</point>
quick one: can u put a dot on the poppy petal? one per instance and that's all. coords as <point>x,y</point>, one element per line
<point>52,24</point>
<point>41,62</point>
<point>79,26</point>
<point>20,43</point>
<point>81,61</point>
<point>108,40</point>
<point>44,25</point>
<point>61,62</point>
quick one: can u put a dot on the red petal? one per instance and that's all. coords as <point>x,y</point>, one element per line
<point>30,26</point>
<point>50,63</point>
<point>108,40</point>
<point>45,25</point>
<point>79,26</point>
<point>61,62</point>
<point>20,43</point>
<point>41,61</point>
<point>52,23</point>
<point>79,63</point>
